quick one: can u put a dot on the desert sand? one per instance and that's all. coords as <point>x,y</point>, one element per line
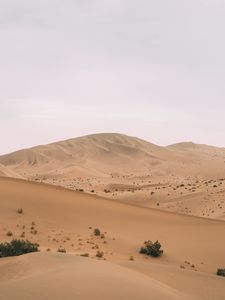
<point>185,178</point>
<point>58,218</point>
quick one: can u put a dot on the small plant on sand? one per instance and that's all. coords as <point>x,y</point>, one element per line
<point>99,254</point>
<point>221,272</point>
<point>19,210</point>
<point>9,233</point>
<point>97,232</point>
<point>22,234</point>
<point>61,250</point>
<point>85,254</point>
<point>17,247</point>
<point>151,249</point>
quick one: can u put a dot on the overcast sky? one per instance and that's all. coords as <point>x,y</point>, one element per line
<point>148,68</point>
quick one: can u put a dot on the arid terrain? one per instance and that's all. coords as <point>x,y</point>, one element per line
<point>132,191</point>
<point>185,178</point>
<point>57,218</point>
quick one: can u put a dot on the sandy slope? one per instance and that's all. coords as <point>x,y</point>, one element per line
<point>194,247</point>
<point>57,276</point>
<point>7,172</point>
<point>184,178</point>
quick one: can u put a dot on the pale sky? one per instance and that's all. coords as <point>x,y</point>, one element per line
<point>152,69</point>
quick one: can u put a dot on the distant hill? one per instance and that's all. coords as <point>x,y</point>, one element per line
<point>107,153</point>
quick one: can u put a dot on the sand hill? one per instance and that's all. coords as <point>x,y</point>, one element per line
<point>193,248</point>
<point>186,178</point>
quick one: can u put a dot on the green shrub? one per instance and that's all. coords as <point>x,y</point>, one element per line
<point>221,272</point>
<point>151,249</point>
<point>17,247</point>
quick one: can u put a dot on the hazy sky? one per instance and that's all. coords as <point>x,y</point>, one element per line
<point>152,69</point>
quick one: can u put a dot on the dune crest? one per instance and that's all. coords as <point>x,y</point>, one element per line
<point>186,178</point>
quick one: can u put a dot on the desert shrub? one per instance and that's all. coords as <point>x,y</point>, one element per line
<point>85,254</point>
<point>221,272</point>
<point>99,254</point>
<point>97,232</point>
<point>151,249</point>
<point>17,247</point>
<point>19,210</point>
<point>9,233</point>
<point>61,250</point>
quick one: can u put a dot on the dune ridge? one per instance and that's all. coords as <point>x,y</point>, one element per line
<point>185,178</point>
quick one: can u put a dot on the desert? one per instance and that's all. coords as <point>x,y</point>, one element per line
<point>65,219</point>
<point>112,150</point>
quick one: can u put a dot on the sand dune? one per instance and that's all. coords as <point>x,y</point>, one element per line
<point>194,247</point>
<point>185,178</point>
<point>56,276</point>
<point>4,171</point>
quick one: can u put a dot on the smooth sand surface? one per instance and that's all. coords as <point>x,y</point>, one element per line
<point>193,248</point>
<point>56,276</point>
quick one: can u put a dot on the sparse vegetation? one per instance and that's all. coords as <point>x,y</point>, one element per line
<point>97,232</point>
<point>99,254</point>
<point>61,250</point>
<point>85,255</point>
<point>221,272</point>
<point>19,210</point>
<point>17,247</point>
<point>9,233</point>
<point>106,191</point>
<point>151,249</point>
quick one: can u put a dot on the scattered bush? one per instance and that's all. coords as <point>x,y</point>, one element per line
<point>61,250</point>
<point>221,272</point>
<point>19,210</point>
<point>151,249</point>
<point>97,232</point>
<point>85,254</point>
<point>99,254</point>
<point>9,233</point>
<point>17,247</point>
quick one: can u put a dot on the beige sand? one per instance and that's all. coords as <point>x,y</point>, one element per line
<point>184,178</point>
<point>194,248</point>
